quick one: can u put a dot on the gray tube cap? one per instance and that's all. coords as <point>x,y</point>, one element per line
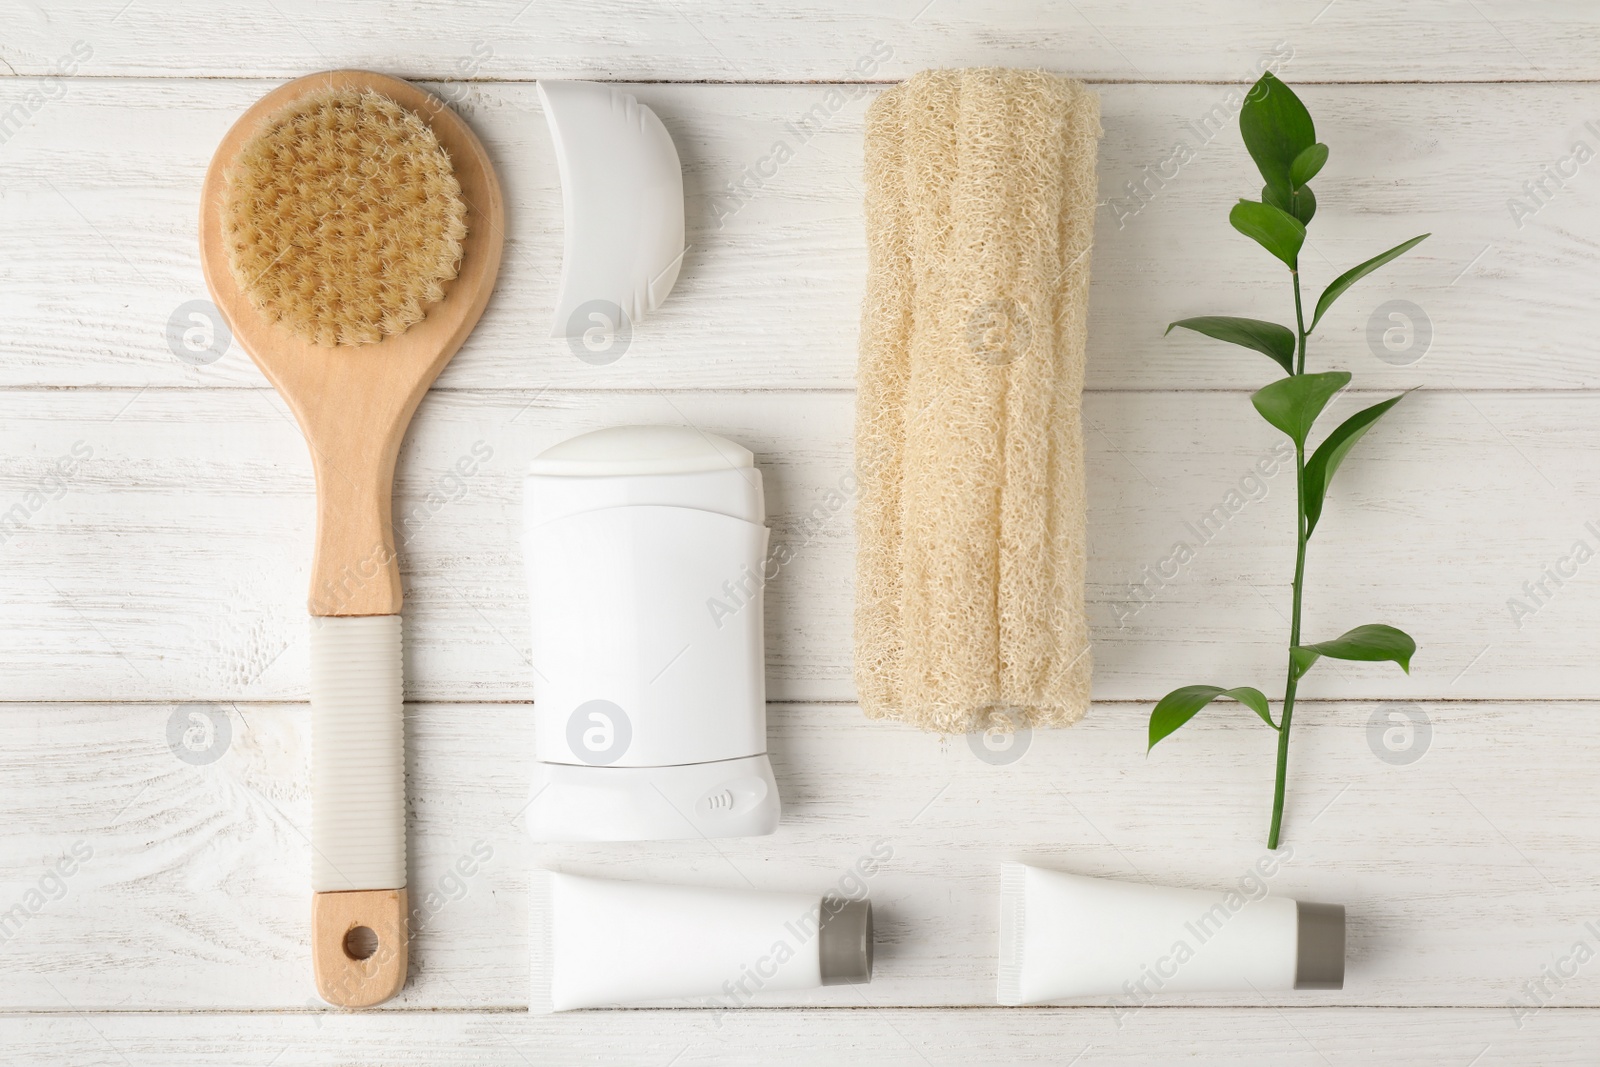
<point>1319,963</point>
<point>844,942</point>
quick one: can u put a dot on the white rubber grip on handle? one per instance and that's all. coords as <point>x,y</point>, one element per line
<point>358,773</point>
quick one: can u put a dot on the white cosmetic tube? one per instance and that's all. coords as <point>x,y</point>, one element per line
<point>1068,937</point>
<point>600,943</point>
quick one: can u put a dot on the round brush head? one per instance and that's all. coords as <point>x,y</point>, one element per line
<point>343,218</point>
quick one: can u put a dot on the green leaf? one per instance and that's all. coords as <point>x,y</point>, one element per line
<point>1355,274</point>
<point>1302,203</point>
<point>1293,404</point>
<point>1305,204</point>
<point>1373,643</point>
<point>1302,659</point>
<point>1331,453</point>
<point>1181,705</point>
<point>1308,164</point>
<point>1270,227</point>
<point>1268,338</point>
<point>1277,128</point>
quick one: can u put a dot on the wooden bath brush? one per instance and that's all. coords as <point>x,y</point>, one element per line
<point>350,232</point>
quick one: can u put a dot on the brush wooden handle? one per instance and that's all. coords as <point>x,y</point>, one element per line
<point>353,405</point>
<point>354,446</point>
<point>347,975</point>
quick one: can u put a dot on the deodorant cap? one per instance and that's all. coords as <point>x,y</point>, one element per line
<point>1319,963</point>
<point>844,942</point>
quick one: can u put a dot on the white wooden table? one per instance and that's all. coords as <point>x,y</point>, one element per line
<point>151,601</point>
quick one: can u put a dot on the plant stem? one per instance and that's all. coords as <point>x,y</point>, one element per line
<point>1286,717</point>
<point>1300,329</point>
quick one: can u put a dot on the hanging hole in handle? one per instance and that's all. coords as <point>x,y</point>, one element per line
<point>360,943</point>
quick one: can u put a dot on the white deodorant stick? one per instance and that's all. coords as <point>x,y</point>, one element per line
<point>646,554</point>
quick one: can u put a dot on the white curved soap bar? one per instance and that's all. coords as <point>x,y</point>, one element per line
<point>622,197</point>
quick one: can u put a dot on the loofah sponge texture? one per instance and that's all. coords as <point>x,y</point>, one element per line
<point>343,218</point>
<point>969,448</point>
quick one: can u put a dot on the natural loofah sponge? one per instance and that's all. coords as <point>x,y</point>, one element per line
<point>969,452</point>
<point>343,218</point>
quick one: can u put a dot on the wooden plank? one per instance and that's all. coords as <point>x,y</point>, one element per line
<point>102,185</point>
<point>810,40</point>
<point>1235,1037</point>
<point>172,562</point>
<point>1466,872</point>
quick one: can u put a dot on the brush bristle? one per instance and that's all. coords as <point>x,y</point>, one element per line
<point>343,218</point>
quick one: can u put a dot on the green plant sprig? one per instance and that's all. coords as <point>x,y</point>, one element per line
<point>1282,140</point>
